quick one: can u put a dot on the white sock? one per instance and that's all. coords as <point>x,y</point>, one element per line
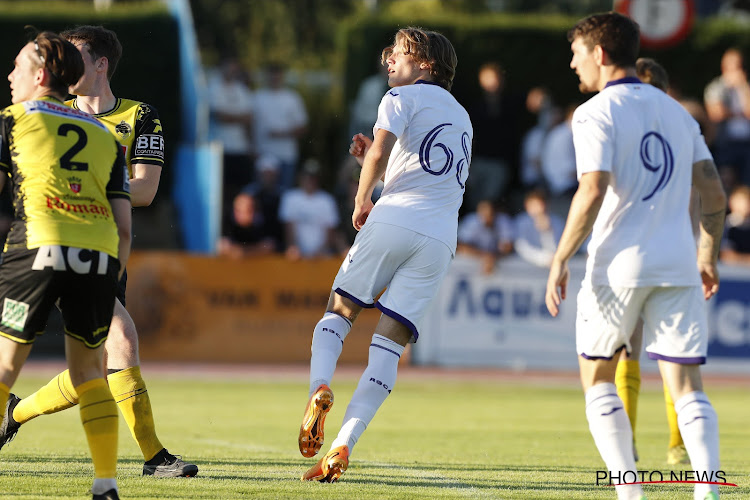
<point>103,485</point>
<point>376,383</point>
<point>699,426</point>
<point>610,427</point>
<point>327,342</point>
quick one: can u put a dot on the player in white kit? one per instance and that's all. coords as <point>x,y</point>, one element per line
<point>638,152</point>
<point>422,145</point>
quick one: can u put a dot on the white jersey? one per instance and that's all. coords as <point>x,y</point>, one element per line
<point>649,143</point>
<point>427,170</point>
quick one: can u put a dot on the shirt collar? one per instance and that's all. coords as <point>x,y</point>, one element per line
<point>627,79</point>
<point>428,82</point>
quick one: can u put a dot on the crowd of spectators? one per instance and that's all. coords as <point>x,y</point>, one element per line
<point>521,182</point>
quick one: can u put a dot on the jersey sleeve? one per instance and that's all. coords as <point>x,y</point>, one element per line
<point>119,180</point>
<point>592,139</point>
<point>394,112</point>
<point>700,149</point>
<point>148,146</point>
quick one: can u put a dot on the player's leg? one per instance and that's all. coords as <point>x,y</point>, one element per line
<point>98,411</point>
<point>12,357</point>
<point>628,377</point>
<point>604,324</point>
<point>327,343</point>
<point>415,281</point>
<point>676,452</point>
<point>680,345</point>
<point>130,393</point>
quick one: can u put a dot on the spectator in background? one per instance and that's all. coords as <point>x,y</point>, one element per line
<point>487,234</point>
<point>539,104</point>
<point>559,165</point>
<point>495,117</point>
<point>364,110</point>
<point>309,216</point>
<point>267,193</point>
<point>231,103</point>
<point>245,231</point>
<point>280,121</point>
<point>537,230</point>
<point>727,100</point>
<point>736,245</point>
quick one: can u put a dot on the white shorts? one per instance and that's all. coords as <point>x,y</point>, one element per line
<point>410,264</point>
<point>675,326</point>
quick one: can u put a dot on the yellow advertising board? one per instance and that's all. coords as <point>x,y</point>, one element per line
<point>214,309</point>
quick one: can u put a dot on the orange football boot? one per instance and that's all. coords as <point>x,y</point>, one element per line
<point>330,467</point>
<point>311,431</point>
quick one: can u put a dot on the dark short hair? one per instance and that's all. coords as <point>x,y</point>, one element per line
<point>651,72</point>
<point>618,36</point>
<point>427,47</point>
<point>60,58</point>
<point>102,42</point>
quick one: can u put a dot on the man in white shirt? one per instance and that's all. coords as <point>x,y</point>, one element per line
<point>637,153</point>
<point>422,142</point>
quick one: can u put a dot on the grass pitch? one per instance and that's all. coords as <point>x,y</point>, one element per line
<point>436,437</point>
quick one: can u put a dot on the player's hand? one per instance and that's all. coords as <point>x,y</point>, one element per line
<point>359,147</point>
<point>361,212</point>
<point>710,278</point>
<point>558,278</point>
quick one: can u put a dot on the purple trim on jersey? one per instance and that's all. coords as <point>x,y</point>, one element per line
<point>627,79</point>
<point>697,360</point>
<point>393,314</point>
<point>428,82</point>
<point>386,349</point>
<point>354,299</point>
<point>340,316</point>
<point>617,352</point>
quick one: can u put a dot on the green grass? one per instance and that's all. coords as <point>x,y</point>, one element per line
<point>434,438</point>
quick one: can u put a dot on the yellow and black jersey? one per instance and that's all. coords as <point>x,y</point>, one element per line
<point>138,128</point>
<point>64,166</point>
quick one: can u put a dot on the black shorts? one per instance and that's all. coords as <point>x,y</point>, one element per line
<point>31,281</point>
<point>121,285</point>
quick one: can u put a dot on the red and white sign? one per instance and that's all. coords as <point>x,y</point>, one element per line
<point>664,23</point>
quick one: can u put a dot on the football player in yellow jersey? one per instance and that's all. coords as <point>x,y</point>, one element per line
<point>70,237</point>
<point>136,125</point>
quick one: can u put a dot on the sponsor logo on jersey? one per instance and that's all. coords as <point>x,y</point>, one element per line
<point>96,209</point>
<point>150,145</point>
<point>78,260</point>
<point>15,314</point>
<point>157,126</point>
<point>74,183</point>
<point>123,129</point>
<point>60,110</point>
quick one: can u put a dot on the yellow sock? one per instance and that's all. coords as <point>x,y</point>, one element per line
<point>675,438</point>
<point>4,392</point>
<point>129,391</point>
<point>59,394</point>
<point>628,382</point>
<point>99,418</point>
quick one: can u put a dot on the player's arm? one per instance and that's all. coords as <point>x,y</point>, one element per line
<point>581,217</point>
<point>118,193</point>
<point>144,184</point>
<point>713,212</point>
<point>373,169</point>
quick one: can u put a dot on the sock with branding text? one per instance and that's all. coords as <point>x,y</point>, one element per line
<point>699,426</point>
<point>327,343</point>
<point>99,418</point>
<point>59,394</point>
<point>610,428</point>
<point>130,393</point>
<point>376,383</point>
